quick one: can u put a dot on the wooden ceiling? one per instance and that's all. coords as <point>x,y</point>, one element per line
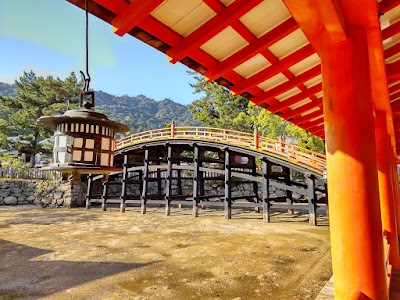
<point>253,47</point>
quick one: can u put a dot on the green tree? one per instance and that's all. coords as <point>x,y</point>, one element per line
<point>219,108</point>
<point>36,97</point>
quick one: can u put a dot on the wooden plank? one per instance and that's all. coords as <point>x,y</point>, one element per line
<point>274,69</point>
<point>252,49</point>
<point>212,27</point>
<point>133,14</point>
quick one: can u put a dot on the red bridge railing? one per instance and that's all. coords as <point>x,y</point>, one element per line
<point>297,155</point>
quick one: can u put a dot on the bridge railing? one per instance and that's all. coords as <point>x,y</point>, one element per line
<point>292,153</point>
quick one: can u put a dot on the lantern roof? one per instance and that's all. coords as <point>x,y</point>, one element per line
<point>83,115</point>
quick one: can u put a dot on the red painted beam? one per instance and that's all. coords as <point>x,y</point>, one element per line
<point>307,118</point>
<point>393,70</point>
<point>252,49</point>
<point>394,88</point>
<point>316,129</point>
<point>302,109</point>
<point>389,52</point>
<point>134,13</point>
<point>386,5</point>
<point>296,98</point>
<point>295,81</point>
<point>391,30</point>
<point>312,124</point>
<point>274,69</point>
<point>116,6</point>
<point>212,27</point>
<point>395,96</point>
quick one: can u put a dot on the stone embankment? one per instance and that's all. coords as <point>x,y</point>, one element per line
<point>42,192</point>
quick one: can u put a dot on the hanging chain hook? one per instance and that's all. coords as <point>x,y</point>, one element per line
<point>86,78</point>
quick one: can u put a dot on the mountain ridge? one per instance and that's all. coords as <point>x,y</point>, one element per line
<point>139,112</point>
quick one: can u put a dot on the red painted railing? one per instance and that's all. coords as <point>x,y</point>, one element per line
<point>300,156</point>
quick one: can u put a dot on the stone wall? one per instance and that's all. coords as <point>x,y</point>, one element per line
<point>42,192</point>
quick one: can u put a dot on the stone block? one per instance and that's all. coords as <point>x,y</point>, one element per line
<point>10,200</point>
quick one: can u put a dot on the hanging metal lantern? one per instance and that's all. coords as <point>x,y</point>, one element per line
<point>83,139</point>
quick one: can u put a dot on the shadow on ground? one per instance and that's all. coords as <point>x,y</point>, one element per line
<point>47,276</point>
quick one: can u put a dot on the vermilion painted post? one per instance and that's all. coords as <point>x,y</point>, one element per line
<point>355,220</point>
<point>172,129</point>
<point>256,137</point>
<point>387,197</point>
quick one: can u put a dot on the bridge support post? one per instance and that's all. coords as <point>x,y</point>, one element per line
<point>387,197</point>
<point>124,184</point>
<point>196,173</point>
<point>104,195</point>
<point>179,183</point>
<point>312,207</point>
<point>145,180</point>
<point>255,184</point>
<point>289,195</point>
<point>168,183</point>
<point>356,235</point>
<point>265,191</point>
<point>89,191</point>
<point>228,185</point>
<point>159,181</point>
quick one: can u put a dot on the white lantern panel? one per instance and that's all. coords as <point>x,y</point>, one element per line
<point>97,129</point>
<point>62,141</point>
<point>82,128</point>
<point>91,128</point>
<point>105,144</point>
<point>76,155</point>
<point>89,144</point>
<point>88,156</point>
<point>104,161</point>
<point>78,142</point>
<point>61,157</point>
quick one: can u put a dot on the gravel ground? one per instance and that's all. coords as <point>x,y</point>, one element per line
<point>81,254</point>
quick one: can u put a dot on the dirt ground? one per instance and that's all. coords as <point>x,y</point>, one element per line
<point>81,254</point>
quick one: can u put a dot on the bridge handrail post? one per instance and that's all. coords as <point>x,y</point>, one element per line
<point>172,129</point>
<point>256,137</point>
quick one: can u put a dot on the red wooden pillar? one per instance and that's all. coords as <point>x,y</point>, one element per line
<point>386,192</point>
<point>355,220</point>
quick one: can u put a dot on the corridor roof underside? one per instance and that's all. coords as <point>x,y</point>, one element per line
<point>253,47</point>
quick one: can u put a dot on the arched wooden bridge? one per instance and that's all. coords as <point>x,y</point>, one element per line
<point>178,165</point>
<point>310,160</point>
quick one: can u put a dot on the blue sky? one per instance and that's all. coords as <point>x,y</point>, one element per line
<point>48,37</point>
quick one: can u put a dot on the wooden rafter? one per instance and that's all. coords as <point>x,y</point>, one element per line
<point>307,118</point>
<point>212,27</point>
<point>391,30</point>
<point>314,123</point>
<point>274,69</point>
<point>302,109</point>
<point>252,49</point>
<point>386,5</point>
<point>134,13</point>
<point>266,96</point>
<point>296,98</point>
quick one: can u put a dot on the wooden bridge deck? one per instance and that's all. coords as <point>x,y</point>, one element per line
<point>305,158</point>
